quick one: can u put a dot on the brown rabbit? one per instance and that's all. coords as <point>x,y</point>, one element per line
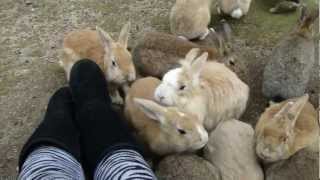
<point>285,128</point>
<point>111,56</point>
<point>157,53</point>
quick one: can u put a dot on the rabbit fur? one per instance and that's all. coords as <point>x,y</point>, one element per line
<point>288,70</point>
<point>231,150</point>
<point>208,89</point>
<point>157,53</point>
<point>285,128</point>
<point>190,18</point>
<point>164,130</point>
<point>111,56</point>
<point>235,8</point>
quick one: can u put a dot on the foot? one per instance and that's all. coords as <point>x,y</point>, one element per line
<point>87,83</point>
<point>57,128</point>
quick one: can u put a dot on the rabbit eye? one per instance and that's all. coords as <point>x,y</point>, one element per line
<point>181,131</point>
<point>283,138</point>
<point>114,63</point>
<point>182,87</point>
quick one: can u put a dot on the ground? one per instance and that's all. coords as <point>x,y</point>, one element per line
<point>31,33</point>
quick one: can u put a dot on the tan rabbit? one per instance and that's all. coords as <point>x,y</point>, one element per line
<point>111,56</point>
<point>190,18</point>
<point>208,89</point>
<point>164,130</point>
<point>285,128</point>
<point>157,53</point>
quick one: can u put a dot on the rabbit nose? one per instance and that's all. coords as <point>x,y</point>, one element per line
<point>161,98</point>
<point>130,77</point>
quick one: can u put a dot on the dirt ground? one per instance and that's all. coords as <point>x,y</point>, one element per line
<point>31,33</point>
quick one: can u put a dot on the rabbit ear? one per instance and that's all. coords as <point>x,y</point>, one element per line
<point>292,109</point>
<point>197,65</point>
<point>307,19</point>
<point>124,34</point>
<point>105,38</point>
<point>192,54</point>
<point>303,13</point>
<point>151,109</point>
<point>296,108</point>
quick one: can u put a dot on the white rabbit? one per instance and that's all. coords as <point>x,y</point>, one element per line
<point>111,56</point>
<point>208,89</point>
<point>164,130</point>
<point>190,18</point>
<point>234,8</point>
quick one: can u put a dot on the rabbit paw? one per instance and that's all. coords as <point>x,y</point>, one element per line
<point>205,35</point>
<point>183,38</point>
<point>116,99</point>
<point>212,30</point>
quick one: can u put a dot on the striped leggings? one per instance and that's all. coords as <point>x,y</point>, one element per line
<point>48,163</point>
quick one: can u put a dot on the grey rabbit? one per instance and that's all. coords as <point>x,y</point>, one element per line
<point>287,73</point>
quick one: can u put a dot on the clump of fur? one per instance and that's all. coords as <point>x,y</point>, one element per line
<point>285,128</point>
<point>164,130</point>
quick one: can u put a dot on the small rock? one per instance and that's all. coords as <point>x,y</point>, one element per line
<point>231,150</point>
<point>285,7</point>
<point>186,167</point>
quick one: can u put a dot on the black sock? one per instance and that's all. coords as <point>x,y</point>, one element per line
<point>101,128</point>
<point>56,129</point>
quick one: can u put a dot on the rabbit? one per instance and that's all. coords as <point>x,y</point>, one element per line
<point>235,8</point>
<point>285,128</point>
<point>231,149</point>
<point>111,56</point>
<point>189,19</point>
<point>208,89</point>
<point>164,130</point>
<point>285,7</point>
<point>287,72</point>
<point>157,53</point>
<point>221,38</point>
